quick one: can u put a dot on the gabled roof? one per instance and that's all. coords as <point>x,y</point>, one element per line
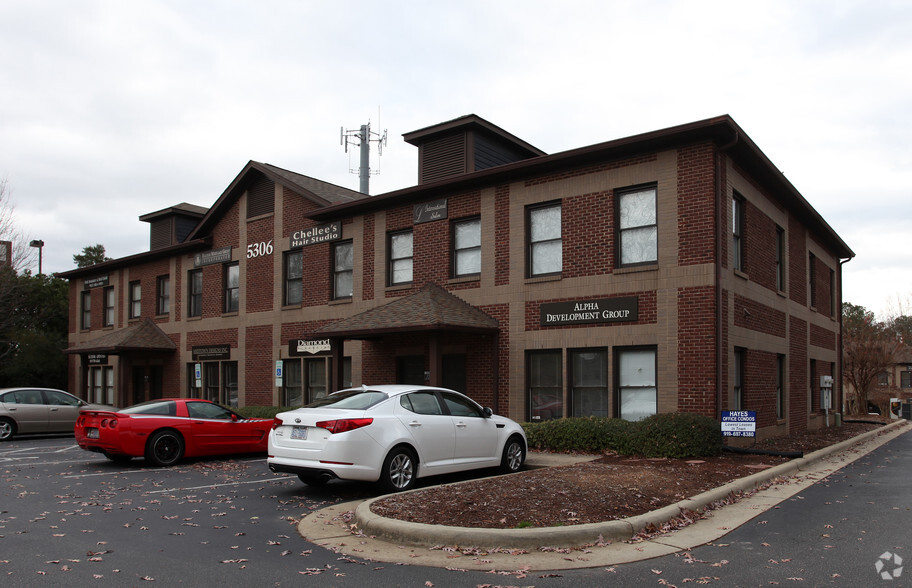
<point>142,336</point>
<point>183,208</point>
<point>320,192</point>
<point>430,309</point>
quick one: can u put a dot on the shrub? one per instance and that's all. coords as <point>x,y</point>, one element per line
<point>676,435</point>
<point>663,435</point>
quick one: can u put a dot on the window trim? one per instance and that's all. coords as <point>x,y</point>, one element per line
<point>618,196</point>
<point>108,304</point>
<point>135,299</point>
<point>287,281</point>
<point>85,321</point>
<point>226,290</point>
<point>191,295</point>
<point>455,250</point>
<point>530,245</point>
<point>335,272</point>
<point>391,261</point>
<point>738,203</point>
<point>163,295</point>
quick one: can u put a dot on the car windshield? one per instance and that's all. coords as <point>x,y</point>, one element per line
<point>163,407</point>
<point>350,399</point>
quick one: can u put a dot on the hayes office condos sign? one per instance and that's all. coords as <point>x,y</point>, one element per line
<point>317,234</point>
<point>582,312</point>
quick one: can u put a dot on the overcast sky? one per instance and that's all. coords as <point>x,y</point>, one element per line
<point>113,109</point>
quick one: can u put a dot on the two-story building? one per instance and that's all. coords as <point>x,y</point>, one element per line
<point>677,270</point>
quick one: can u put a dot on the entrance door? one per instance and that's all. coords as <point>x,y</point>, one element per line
<point>454,372</point>
<point>410,370</point>
<point>138,389</point>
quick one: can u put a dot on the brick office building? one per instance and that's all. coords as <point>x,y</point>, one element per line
<point>677,270</point>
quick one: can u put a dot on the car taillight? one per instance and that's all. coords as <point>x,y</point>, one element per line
<point>276,423</point>
<point>342,425</point>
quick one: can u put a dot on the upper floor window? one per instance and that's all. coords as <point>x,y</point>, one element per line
<point>195,292</point>
<point>232,286</point>
<point>294,271</point>
<point>812,276</point>
<point>400,258</point>
<point>738,232</point>
<point>135,299</point>
<point>343,266</point>
<point>86,303</point>
<point>163,295</point>
<point>637,228</point>
<point>780,259</point>
<point>467,247</point>
<point>544,245</point>
<point>108,299</point>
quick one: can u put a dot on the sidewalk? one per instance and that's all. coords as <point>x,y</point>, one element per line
<point>381,539</point>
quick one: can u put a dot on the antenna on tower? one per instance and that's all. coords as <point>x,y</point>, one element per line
<point>362,138</point>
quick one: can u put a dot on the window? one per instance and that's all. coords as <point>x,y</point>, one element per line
<point>107,296</point>
<point>637,391</point>
<point>400,258</point>
<point>780,386</point>
<point>229,384</point>
<point>780,259</point>
<point>294,284</point>
<point>812,276</point>
<point>86,303</point>
<point>135,299</point>
<point>883,379</point>
<point>737,401</point>
<point>459,406</point>
<point>738,232</point>
<point>343,263</point>
<point>905,379</point>
<point>163,296</point>
<point>467,247</point>
<point>195,294</point>
<point>637,228</point>
<point>423,402</point>
<point>100,385</point>
<point>304,380</point>
<point>545,249</point>
<point>589,377</point>
<point>232,286</point>
<point>545,385</point>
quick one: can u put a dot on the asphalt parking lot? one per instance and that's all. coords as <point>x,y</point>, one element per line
<point>72,517</point>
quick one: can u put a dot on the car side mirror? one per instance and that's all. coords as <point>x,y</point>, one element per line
<point>488,412</point>
<point>234,418</point>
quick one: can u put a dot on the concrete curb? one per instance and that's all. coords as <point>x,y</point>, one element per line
<point>406,533</point>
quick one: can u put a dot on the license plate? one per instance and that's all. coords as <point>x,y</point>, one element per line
<point>299,433</point>
<point>92,433</point>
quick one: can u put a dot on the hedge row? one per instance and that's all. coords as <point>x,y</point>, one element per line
<point>674,435</point>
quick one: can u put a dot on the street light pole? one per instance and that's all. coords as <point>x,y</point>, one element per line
<point>39,244</point>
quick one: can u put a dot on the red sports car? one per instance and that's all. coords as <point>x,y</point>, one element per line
<point>164,431</point>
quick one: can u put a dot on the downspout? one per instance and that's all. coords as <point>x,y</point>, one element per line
<point>839,347</point>
<point>718,230</point>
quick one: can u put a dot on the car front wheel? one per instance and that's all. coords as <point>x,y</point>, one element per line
<point>165,448</point>
<point>514,454</point>
<point>399,470</point>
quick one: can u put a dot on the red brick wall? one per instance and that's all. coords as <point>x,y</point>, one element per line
<point>501,312</point>
<point>822,337</point>
<point>759,247</point>
<point>696,194</point>
<point>587,228</point>
<point>260,275</point>
<point>368,275</point>
<point>591,169</point>
<point>755,316</point>
<point>798,375</point>
<point>258,366</point>
<point>760,386</point>
<point>696,350</point>
<point>502,235</point>
<point>797,262</point>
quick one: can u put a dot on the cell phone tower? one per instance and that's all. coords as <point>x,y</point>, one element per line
<point>362,138</point>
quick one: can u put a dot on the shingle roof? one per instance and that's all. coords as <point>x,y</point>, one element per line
<point>430,309</point>
<point>143,336</point>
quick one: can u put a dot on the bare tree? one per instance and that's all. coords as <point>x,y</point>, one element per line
<point>21,255</point>
<point>869,349</point>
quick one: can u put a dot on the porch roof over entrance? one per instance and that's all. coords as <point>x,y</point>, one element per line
<point>430,309</point>
<point>143,336</point>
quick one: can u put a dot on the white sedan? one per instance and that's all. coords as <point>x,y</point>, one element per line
<point>393,435</point>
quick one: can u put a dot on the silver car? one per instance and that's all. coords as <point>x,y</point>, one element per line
<point>37,410</point>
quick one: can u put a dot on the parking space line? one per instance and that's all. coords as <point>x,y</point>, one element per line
<point>267,480</point>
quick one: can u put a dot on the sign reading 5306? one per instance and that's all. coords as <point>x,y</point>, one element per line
<point>259,249</point>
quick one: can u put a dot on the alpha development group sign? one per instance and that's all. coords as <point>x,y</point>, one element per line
<point>581,312</point>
